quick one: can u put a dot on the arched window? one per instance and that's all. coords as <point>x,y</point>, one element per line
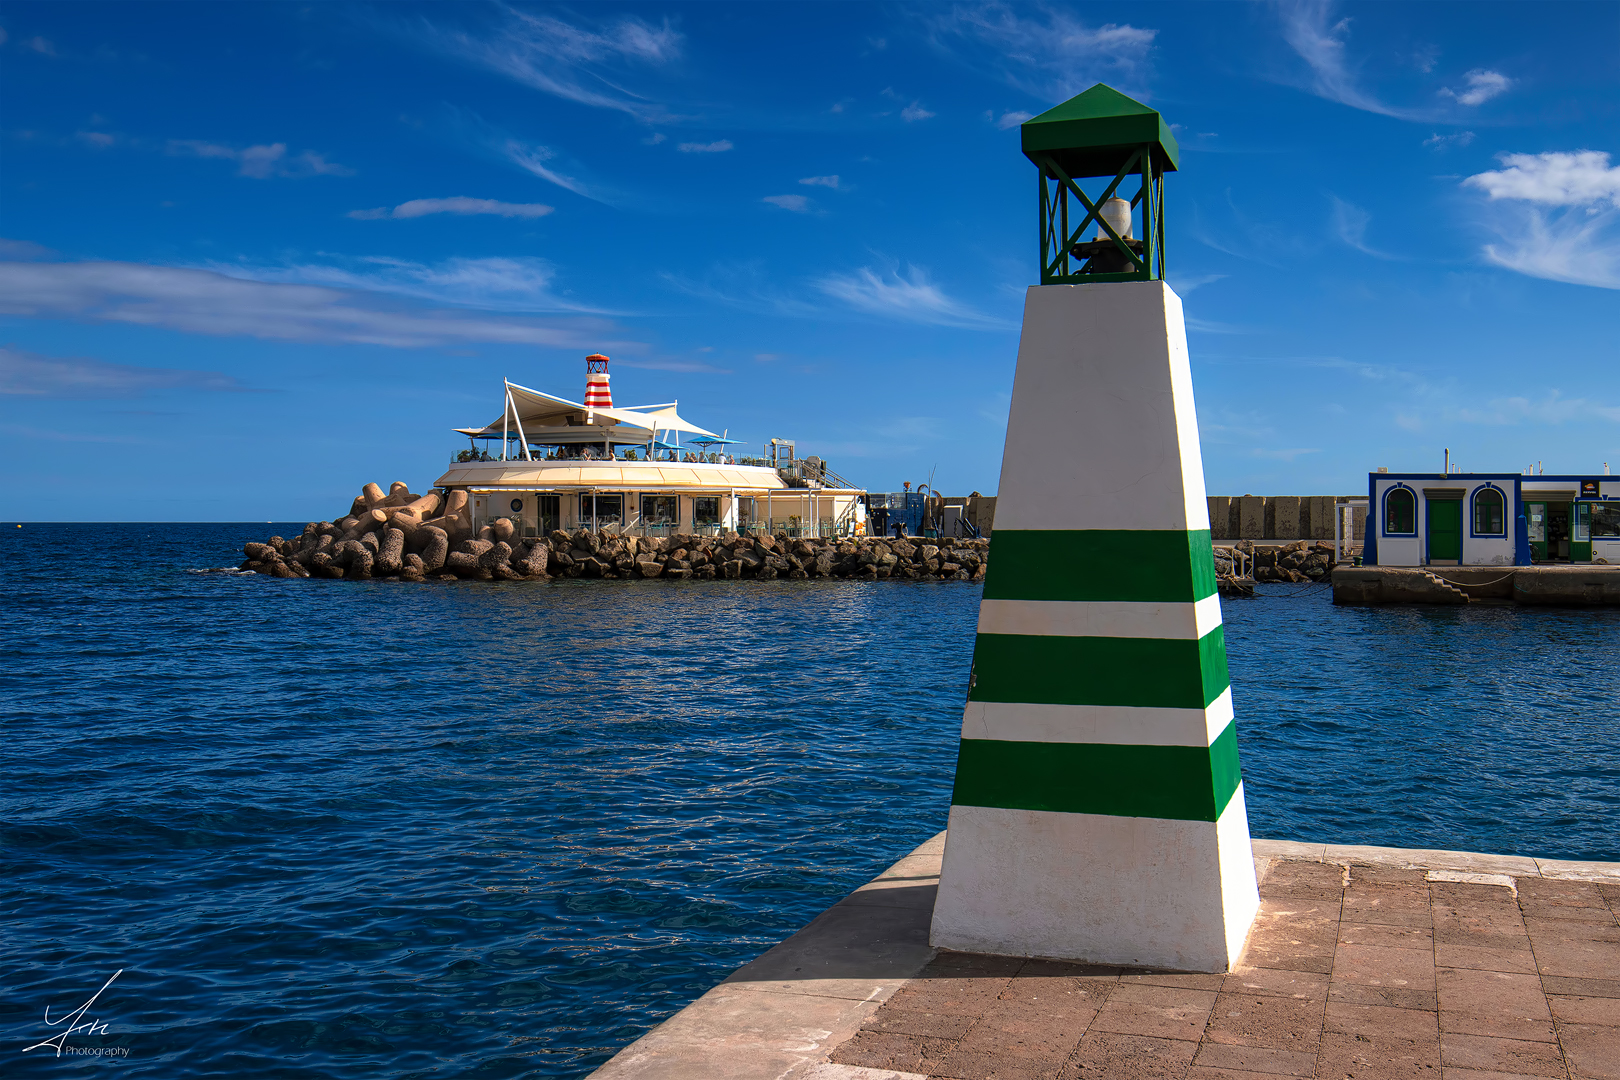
<point>1490,515</point>
<point>1400,512</point>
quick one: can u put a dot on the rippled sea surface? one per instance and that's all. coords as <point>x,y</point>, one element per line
<point>501,829</point>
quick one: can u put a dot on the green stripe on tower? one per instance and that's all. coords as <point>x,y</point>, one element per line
<point>1031,669</point>
<point>1184,783</point>
<point>1167,566</point>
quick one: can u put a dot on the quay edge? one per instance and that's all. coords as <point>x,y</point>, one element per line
<point>1541,586</point>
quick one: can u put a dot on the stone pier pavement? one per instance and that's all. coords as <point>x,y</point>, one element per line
<point>1364,963</point>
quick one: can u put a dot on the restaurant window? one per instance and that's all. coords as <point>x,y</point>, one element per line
<point>1400,512</point>
<point>1605,522</point>
<point>658,510</point>
<point>548,513</point>
<point>706,510</point>
<point>1537,513</point>
<point>598,510</point>
<point>745,510</point>
<point>1490,516</point>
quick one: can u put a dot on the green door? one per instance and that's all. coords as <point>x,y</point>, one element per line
<point>1580,543</point>
<point>1445,530</point>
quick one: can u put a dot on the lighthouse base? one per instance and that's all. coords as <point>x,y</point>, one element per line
<point>1141,892</point>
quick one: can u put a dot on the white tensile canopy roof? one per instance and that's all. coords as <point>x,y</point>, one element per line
<point>542,417</point>
<point>665,418</point>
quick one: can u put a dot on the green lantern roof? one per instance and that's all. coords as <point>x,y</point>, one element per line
<point>1095,133</point>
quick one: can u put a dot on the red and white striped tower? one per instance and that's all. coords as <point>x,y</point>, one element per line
<point>597,393</point>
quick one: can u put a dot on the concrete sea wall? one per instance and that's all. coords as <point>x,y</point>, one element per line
<point>1278,517</point>
<point>1543,586</point>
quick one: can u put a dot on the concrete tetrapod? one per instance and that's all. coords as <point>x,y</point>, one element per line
<point>1098,810</point>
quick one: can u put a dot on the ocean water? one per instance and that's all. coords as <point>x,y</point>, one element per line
<point>499,830</point>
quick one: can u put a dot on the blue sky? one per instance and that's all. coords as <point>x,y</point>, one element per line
<point>259,254</point>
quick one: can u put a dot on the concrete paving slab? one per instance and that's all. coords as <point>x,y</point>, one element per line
<point>1364,962</point>
<point>828,1071</point>
<point>1579,871</point>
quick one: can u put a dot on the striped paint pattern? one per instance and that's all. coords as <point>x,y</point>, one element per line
<point>1099,678</point>
<point>598,393</point>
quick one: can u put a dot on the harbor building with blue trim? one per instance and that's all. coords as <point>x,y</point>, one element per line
<point>1491,519</point>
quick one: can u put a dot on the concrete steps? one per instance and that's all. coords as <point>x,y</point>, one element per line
<point>1447,588</point>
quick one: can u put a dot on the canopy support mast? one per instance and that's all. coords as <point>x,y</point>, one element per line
<point>518,420</point>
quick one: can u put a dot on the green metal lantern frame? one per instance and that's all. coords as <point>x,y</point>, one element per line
<point>1058,240</point>
<point>1096,134</point>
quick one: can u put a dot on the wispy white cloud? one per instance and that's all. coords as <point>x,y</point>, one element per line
<point>207,302</point>
<point>578,62</point>
<point>914,112</point>
<point>32,375</point>
<point>744,285</point>
<point>1043,51</point>
<point>1209,326</point>
<point>1314,30</point>
<point>719,146</point>
<point>1481,86</point>
<point>1553,409</point>
<point>533,159</point>
<point>799,204</point>
<point>1427,403</point>
<point>264,161</point>
<point>98,139</point>
<point>1568,246</point>
<point>23,250</point>
<point>456,204</point>
<point>1350,225</point>
<point>1284,455</point>
<point>907,295</point>
<point>1557,216</point>
<point>1320,39</point>
<point>821,181</point>
<point>1582,178</point>
<point>494,284</point>
<point>40,45</point>
<point>654,139</point>
<point>695,367</point>
<point>1013,119</point>
<point>1438,141</point>
<point>1186,283</point>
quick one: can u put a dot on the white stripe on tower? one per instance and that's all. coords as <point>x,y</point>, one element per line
<point>1100,618</point>
<point>1139,725</point>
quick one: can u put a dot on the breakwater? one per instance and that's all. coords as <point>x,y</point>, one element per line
<point>1300,562</point>
<point>403,536</point>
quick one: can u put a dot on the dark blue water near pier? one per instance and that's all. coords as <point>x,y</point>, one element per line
<point>499,830</point>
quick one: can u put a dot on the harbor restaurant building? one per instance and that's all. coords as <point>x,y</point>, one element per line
<point>1491,519</point>
<point>550,463</point>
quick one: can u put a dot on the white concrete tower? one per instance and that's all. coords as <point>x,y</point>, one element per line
<point>1098,810</point>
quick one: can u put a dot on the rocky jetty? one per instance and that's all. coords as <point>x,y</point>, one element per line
<point>406,537</point>
<point>1240,566</point>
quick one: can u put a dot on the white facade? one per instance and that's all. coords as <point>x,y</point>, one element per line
<point>1474,519</point>
<point>1481,546</point>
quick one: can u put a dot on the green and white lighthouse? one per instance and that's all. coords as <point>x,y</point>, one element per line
<point>1098,810</point>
